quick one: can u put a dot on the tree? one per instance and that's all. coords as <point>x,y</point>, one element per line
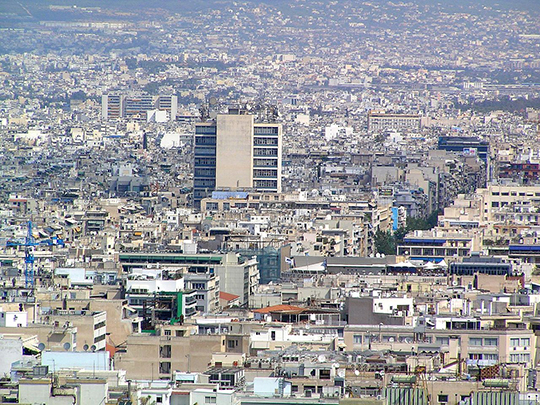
<point>385,242</point>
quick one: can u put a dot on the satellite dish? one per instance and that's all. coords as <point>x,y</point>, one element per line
<point>336,365</point>
<point>356,372</point>
<point>67,346</point>
<point>41,347</point>
<point>212,101</point>
<point>322,358</point>
<point>93,348</point>
<point>85,348</point>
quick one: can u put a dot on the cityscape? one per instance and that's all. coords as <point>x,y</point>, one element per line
<point>270,202</point>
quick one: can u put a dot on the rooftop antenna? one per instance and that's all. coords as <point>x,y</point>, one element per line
<point>204,112</point>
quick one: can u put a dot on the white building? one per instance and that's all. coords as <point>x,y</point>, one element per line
<point>400,306</point>
<point>13,319</point>
<point>213,396</point>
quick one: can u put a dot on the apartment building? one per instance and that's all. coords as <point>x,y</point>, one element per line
<point>233,152</point>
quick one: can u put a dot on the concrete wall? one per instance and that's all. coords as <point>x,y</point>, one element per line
<point>234,154</point>
<point>11,350</point>
<point>91,392</point>
<point>142,357</point>
<point>38,392</point>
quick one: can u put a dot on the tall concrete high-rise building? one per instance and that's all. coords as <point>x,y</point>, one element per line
<point>233,152</point>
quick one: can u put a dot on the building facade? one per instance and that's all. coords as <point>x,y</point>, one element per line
<point>137,107</point>
<point>233,152</point>
<point>382,121</point>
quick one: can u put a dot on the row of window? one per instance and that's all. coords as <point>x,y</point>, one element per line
<point>99,338</point>
<point>207,183</point>
<point>514,193</point>
<point>205,172</point>
<point>520,358</point>
<point>357,339</point>
<point>520,342</point>
<point>200,193</point>
<point>205,140</point>
<point>266,141</point>
<point>168,332</point>
<point>264,173</point>
<point>205,150</point>
<point>265,162</point>
<point>205,130</point>
<point>478,341</point>
<point>265,184</point>
<point>265,130</point>
<point>99,325</point>
<point>205,161</point>
<point>138,291</point>
<point>484,356</point>
<point>265,152</point>
<point>214,206</point>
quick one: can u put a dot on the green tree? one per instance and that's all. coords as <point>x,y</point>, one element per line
<point>385,242</point>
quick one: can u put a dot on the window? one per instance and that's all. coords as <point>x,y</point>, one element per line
<point>491,342</point>
<point>209,400</point>
<point>165,367</point>
<point>99,325</point>
<point>357,339</point>
<point>443,399</point>
<point>165,352</point>
<point>475,341</point>
<point>442,340</point>
<point>99,338</point>
<point>525,342</point>
<point>520,358</point>
<point>514,342</point>
<point>324,374</point>
<point>167,332</point>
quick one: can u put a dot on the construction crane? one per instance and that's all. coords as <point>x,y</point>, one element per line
<point>29,244</point>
